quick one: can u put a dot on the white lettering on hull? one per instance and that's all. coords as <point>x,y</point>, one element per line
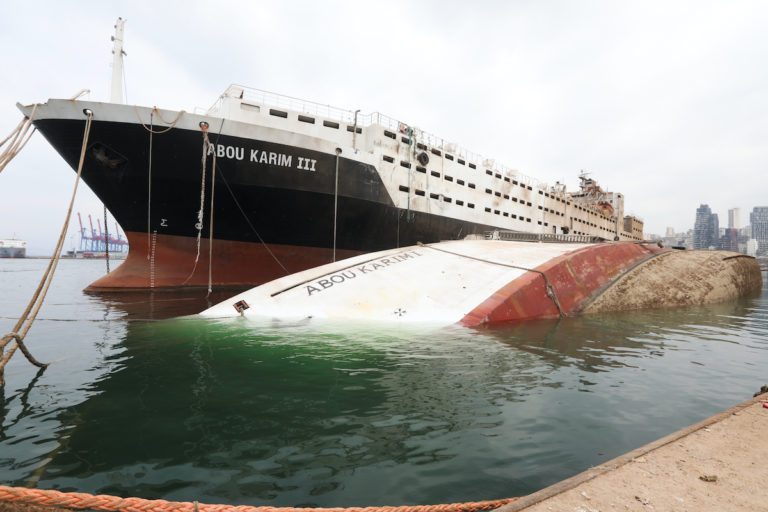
<point>259,156</point>
<point>351,273</point>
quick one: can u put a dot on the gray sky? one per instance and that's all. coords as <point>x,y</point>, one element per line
<point>664,101</point>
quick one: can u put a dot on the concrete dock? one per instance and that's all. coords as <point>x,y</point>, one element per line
<point>717,464</point>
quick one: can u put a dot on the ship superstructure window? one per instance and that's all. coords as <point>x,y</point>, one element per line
<point>403,188</point>
<point>496,212</point>
<point>506,178</point>
<point>421,169</point>
<point>488,191</point>
<point>434,196</point>
<point>514,182</point>
<point>306,119</point>
<point>436,152</point>
<point>472,166</point>
<point>506,196</point>
<point>331,124</point>
<point>470,205</point>
<point>460,182</point>
<point>497,194</point>
<point>488,210</point>
<point>506,214</point>
<point>435,174</point>
<point>460,202</point>
<point>406,140</point>
<point>489,172</point>
<point>419,192</point>
<point>514,199</point>
<point>541,193</point>
<point>389,134</point>
<point>278,113</point>
<point>529,204</point>
<point>446,199</point>
<point>448,178</point>
<point>449,157</point>
<point>421,146</point>
<point>471,185</point>
<point>498,176</point>
<point>352,128</point>
<point>407,165</point>
<point>462,162</point>
<point>248,106</point>
<point>388,159</point>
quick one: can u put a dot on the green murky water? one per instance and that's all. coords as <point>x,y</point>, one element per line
<point>137,403</point>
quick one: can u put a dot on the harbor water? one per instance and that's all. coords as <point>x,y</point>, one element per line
<point>142,400</point>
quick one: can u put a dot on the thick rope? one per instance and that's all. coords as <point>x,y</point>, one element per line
<point>210,229</point>
<point>150,128</point>
<point>18,333</point>
<point>201,211</point>
<point>17,139</point>
<point>149,185</point>
<point>114,503</point>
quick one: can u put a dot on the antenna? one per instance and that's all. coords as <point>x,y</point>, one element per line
<point>117,62</point>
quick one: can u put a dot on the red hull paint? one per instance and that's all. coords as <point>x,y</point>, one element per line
<point>236,264</point>
<point>575,278</point>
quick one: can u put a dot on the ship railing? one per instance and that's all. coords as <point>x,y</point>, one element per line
<point>267,98</point>
<point>517,236</point>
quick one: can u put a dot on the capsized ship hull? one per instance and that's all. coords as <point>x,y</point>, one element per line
<point>470,282</point>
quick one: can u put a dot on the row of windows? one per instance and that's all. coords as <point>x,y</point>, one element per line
<point>311,120</point>
<point>351,128</point>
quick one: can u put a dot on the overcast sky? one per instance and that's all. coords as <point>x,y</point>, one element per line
<point>664,101</point>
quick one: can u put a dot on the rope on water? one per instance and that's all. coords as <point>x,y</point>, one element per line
<point>17,139</point>
<point>26,320</point>
<point>113,503</point>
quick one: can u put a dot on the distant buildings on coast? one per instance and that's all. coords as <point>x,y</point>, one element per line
<point>707,233</point>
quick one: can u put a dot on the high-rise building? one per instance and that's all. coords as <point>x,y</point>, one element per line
<point>758,219</point>
<point>706,228</point>
<point>730,240</point>
<point>734,220</point>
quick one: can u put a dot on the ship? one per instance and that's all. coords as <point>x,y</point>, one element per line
<point>13,248</point>
<point>262,185</point>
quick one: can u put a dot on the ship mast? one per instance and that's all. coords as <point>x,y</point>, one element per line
<point>117,62</point>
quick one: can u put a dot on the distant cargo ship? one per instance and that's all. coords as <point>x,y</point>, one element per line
<point>13,248</point>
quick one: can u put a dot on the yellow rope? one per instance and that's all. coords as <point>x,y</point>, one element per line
<point>18,334</point>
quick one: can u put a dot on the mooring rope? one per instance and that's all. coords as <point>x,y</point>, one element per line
<point>17,139</point>
<point>550,290</point>
<point>79,500</point>
<point>18,333</point>
<point>210,210</point>
<point>201,211</point>
<point>151,129</point>
<point>149,187</point>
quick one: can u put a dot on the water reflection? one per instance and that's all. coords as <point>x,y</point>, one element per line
<point>229,411</point>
